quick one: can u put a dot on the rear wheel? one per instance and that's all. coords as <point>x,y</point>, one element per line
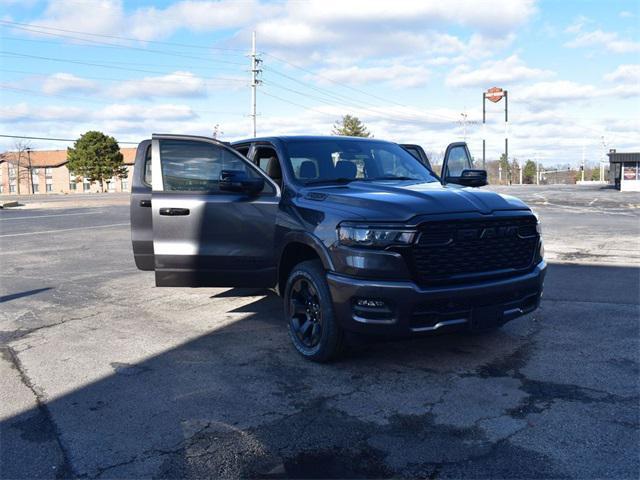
<point>309,313</point>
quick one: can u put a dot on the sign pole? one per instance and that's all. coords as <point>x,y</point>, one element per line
<point>484,115</point>
<point>506,134</point>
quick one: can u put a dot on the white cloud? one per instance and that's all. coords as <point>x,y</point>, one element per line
<point>557,91</point>
<point>500,72</point>
<point>145,112</point>
<point>176,84</point>
<point>67,82</point>
<point>610,41</point>
<point>628,73</point>
<point>400,76</point>
<point>24,112</point>
<point>563,91</point>
<point>108,17</point>
<point>363,26</point>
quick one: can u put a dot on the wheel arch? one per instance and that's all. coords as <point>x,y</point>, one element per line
<point>298,247</point>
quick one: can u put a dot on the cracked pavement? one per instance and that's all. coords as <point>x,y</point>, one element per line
<point>106,376</point>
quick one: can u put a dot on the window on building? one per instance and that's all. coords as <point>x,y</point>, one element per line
<point>86,186</point>
<point>73,186</point>
<point>124,185</point>
<point>12,171</point>
<point>49,187</point>
<point>12,189</point>
<point>1,188</point>
<point>48,171</point>
<point>36,188</point>
<point>35,171</point>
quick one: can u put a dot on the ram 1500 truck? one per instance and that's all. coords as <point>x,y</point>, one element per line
<point>357,234</point>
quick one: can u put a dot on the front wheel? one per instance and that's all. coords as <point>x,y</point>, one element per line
<point>309,313</point>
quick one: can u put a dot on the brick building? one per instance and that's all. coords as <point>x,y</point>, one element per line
<point>50,174</point>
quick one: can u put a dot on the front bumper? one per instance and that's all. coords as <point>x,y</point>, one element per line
<point>404,308</point>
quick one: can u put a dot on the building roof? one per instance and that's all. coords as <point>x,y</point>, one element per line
<point>621,157</point>
<point>56,158</point>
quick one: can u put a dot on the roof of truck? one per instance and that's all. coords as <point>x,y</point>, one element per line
<point>296,138</point>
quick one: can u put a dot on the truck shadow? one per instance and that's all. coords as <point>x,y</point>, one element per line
<point>239,402</point>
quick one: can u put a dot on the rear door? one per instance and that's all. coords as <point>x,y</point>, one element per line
<point>140,208</point>
<point>203,236</point>
<point>456,159</point>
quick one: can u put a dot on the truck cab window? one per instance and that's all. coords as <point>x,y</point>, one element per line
<point>267,160</point>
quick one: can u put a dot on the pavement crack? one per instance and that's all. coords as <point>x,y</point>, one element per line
<point>20,333</point>
<point>66,469</point>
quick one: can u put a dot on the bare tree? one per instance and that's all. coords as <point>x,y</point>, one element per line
<point>20,158</point>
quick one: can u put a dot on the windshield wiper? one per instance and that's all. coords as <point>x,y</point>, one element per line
<point>341,180</point>
<point>392,177</point>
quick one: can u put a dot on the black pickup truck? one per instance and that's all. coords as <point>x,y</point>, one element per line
<point>356,234</point>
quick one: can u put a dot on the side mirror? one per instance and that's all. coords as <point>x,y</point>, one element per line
<point>239,181</point>
<point>470,178</point>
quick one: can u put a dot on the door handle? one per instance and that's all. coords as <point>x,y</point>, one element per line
<point>145,203</point>
<point>174,212</point>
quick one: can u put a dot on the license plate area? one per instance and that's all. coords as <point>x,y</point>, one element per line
<point>486,318</point>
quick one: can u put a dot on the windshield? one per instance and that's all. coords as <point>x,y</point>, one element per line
<point>342,161</point>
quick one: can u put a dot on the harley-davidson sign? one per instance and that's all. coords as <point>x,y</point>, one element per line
<point>494,94</point>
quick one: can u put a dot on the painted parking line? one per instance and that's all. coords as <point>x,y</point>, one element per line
<point>49,216</point>
<point>64,230</point>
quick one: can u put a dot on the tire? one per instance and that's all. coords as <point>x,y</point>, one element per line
<point>308,311</point>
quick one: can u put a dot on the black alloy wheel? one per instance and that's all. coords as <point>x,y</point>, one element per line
<point>305,313</point>
<point>308,310</point>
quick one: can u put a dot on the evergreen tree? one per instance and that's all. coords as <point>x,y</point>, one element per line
<point>350,126</point>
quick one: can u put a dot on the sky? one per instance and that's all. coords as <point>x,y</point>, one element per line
<point>412,70</point>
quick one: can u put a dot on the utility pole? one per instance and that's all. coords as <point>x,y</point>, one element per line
<point>506,130</point>
<point>520,168</point>
<point>30,170</point>
<point>255,71</point>
<point>463,121</point>
<point>582,166</point>
<point>484,130</point>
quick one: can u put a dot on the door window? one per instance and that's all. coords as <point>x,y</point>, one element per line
<point>457,161</point>
<point>196,166</point>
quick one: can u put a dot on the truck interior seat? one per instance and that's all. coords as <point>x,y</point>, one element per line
<point>274,171</point>
<point>308,170</point>
<point>345,169</point>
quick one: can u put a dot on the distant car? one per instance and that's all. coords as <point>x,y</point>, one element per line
<point>356,234</point>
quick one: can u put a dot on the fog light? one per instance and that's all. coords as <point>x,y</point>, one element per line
<point>370,302</point>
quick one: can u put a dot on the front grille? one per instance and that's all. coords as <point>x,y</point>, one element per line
<point>455,250</point>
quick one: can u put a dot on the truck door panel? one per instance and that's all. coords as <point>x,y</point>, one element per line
<point>140,208</point>
<point>204,236</point>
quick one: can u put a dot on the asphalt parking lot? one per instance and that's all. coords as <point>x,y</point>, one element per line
<point>105,375</point>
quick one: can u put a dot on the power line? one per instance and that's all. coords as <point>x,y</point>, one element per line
<point>118,37</point>
<point>315,74</point>
<point>296,104</point>
<point>352,101</point>
<point>150,80</point>
<point>127,47</point>
<point>371,111</point>
<point>26,137</point>
<point>110,63</point>
<point>79,62</point>
<point>104,102</point>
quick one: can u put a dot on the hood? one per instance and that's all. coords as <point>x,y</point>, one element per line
<point>401,201</point>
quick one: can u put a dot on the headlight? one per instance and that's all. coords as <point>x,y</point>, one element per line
<point>539,228</point>
<point>380,237</point>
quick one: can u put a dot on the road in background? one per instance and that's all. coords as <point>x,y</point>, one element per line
<point>105,375</point>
